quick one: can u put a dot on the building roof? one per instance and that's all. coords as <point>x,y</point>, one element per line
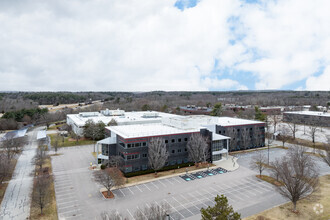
<point>217,137</point>
<point>311,113</point>
<point>148,130</point>
<point>127,118</point>
<point>41,135</point>
<point>14,134</point>
<point>109,140</point>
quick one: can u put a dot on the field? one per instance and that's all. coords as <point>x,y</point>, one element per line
<point>68,142</point>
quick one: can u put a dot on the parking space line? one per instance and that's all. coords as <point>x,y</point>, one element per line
<point>154,185</point>
<point>74,210</point>
<point>161,183</point>
<point>176,179</point>
<point>138,188</point>
<point>169,181</point>
<point>173,208</point>
<point>141,212</point>
<point>189,201</point>
<point>73,216</point>
<point>60,196</point>
<point>130,213</point>
<point>203,196</point>
<point>146,186</point>
<point>130,190</point>
<point>67,207</point>
<point>60,203</point>
<point>122,192</point>
<point>182,205</point>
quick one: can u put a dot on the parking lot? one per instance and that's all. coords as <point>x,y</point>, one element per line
<point>78,195</point>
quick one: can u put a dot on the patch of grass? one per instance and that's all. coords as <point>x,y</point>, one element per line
<point>313,154</point>
<point>50,211</point>
<point>269,179</point>
<point>3,186</point>
<point>68,141</point>
<point>305,206</point>
<point>151,176</point>
<point>281,147</point>
<point>307,143</point>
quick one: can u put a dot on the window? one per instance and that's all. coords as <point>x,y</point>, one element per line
<point>186,139</point>
<point>185,160</point>
<point>137,168</point>
<point>179,161</point>
<point>133,157</point>
<point>144,144</point>
<point>219,132</point>
<point>173,140</point>
<point>173,151</point>
<point>144,167</point>
<point>122,144</point>
<point>173,162</point>
<point>137,144</point>
<point>128,169</point>
<point>129,145</point>
<point>224,132</point>
<point>166,141</point>
<point>144,155</point>
<point>179,140</point>
<point>185,149</point>
<point>179,150</point>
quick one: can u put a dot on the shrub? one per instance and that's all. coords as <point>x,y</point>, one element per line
<point>102,166</point>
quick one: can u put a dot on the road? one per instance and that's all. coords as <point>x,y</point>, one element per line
<point>16,202</point>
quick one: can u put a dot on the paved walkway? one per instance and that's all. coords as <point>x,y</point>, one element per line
<point>16,202</point>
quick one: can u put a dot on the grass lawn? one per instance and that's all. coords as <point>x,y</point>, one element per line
<point>270,180</point>
<point>68,141</point>
<point>307,143</point>
<point>151,176</point>
<point>50,211</point>
<point>3,187</point>
<point>304,206</point>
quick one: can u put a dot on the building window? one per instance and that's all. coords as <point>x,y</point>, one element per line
<point>173,140</point>
<point>144,167</point>
<point>133,157</point>
<point>179,150</point>
<point>144,144</point>
<point>173,151</point>
<point>185,160</point>
<point>137,168</point>
<point>122,144</point>
<point>128,169</point>
<point>144,155</point>
<point>137,144</point>
<point>179,140</point>
<point>185,149</point>
<point>219,132</point>
<point>173,162</point>
<point>179,161</point>
<point>186,139</point>
<point>166,141</point>
<point>129,145</point>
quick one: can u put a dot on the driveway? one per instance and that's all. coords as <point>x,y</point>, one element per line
<point>16,202</point>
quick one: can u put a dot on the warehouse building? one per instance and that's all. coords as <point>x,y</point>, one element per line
<point>308,117</point>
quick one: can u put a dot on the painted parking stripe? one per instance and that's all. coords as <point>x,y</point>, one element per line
<point>71,201</point>
<point>188,201</point>
<point>176,179</point>
<point>138,188</point>
<point>206,197</point>
<point>74,210</point>
<point>173,208</point>
<point>130,214</point>
<point>161,183</point>
<point>122,192</point>
<point>129,188</point>
<point>146,186</point>
<point>168,180</point>
<point>182,205</point>
<point>154,185</point>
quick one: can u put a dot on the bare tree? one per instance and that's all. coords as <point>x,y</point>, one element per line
<point>198,150</point>
<point>312,133</point>
<point>42,190</point>
<point>154,211</point>
<point>232,133</point>
<point>109,178</point>
<point>293,127</point>
<point>115,161</point>
<point>275,119</point>
<point>258,162</point>
<point>283,134</point>
<point>40,157</point>
<point>157,153</point>
<point>56,142</point>
<point>298,174</point>
<point>325,155</point>
<point>5,165</point>
<point>112,215</point>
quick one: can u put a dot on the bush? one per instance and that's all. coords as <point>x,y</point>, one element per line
<point>102,166</point>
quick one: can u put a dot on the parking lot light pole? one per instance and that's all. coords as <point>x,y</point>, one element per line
<point>168,216</point>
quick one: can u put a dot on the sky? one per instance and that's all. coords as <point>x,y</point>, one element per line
<point>170,45</point>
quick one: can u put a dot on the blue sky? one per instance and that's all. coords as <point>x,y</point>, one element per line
<point>165,45</point>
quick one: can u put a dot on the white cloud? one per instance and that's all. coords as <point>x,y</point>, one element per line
<point>223,84</point>
<point>321,82</point>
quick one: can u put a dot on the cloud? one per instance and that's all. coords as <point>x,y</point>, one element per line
<point>151,45</point>
<point>319,83</point>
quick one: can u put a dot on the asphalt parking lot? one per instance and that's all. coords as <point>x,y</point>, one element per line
<point>78,196</point>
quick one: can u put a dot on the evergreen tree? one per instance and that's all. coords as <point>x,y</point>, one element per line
<point>220,211</point>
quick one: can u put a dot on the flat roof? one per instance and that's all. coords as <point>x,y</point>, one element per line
<point>313,113</point>
<point>147,130</point>
<point>217,137</point>
<point>127,118</point>
<point>222,121</point>
<point>41,134</point>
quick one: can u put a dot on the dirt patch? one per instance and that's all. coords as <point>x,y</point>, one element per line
<point>105,195</point>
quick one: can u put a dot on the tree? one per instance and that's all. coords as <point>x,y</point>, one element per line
<point>157,154</point>
<point>40,157</point>
<point>112,215</point>
<point>115,161</point>
<point>42,190</point>
<point>258,162</point>
<point>154,211</point>
<point>113,122</point>
<point>294,128</point>
<point>220,211</point>
<point>146,107</point>
<point>275,119</point>
<point>5,165</point>
<point>109,178</point>
<point>298,174</point>
<point>56,142</point>
<point>217,109</point>
<point>282,134</point>
<point>312,133</point>
<point>325,155</point>
<point>198,149</point>
<point>94,131</point>
<point>259,115</point>
<point>233,134</point>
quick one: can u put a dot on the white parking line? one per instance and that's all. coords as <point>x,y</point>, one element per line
<point>189,201</point>
<point>168,180</point>
<point>130,190</point>
<point>147,186</point>
<point>203,196</point>
<point>130,213</point>
<point>122,192</point>
<point>176,179</point>
<point>67,207</point>
<point>173,208</point>
<point>162,183</point>
<point>60,203</point>
<point>182,205</point>
<point>74,210</point>
<point>64,194</point>
<point>75,216</point>
<point>138,188</point>
<point>154,185</point>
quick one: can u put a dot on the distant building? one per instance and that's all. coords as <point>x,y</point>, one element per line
<point>195,110</point>
<point>308,118</point>
<point>271,110</point>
